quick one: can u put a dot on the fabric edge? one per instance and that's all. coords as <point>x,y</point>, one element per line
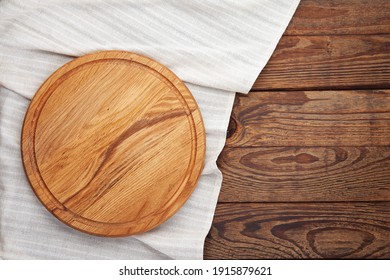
<point>217,190</point>
<point>270,49</point>
<point>262,63</point>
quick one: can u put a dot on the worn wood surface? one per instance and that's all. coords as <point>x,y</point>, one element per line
<point>299,174</point>
<point>323,17</point>
<point>328,62</point>
<point>307,162</point>
<point>290,231</point>
<point>311,118</point>
<point>95,135</point>
<point>326,47</point>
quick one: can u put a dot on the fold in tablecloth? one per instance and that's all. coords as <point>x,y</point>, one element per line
<point>216,47</point>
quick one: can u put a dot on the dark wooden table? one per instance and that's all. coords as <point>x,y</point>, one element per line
<point>307,161</point>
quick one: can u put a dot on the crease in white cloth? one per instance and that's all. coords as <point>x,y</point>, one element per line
<point>216,47</point>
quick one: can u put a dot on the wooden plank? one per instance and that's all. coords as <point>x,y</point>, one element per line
<point>327,62</point>
<point>320,17</point>
<point>299,230</point>
<point>305,174</point>
<point>311,118</point>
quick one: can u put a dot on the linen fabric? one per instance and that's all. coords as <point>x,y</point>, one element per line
<point>216,47</point>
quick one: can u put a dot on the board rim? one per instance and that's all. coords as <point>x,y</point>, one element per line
<point>43,192</point>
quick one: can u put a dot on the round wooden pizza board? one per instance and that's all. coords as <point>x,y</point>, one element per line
<point>113,143</point>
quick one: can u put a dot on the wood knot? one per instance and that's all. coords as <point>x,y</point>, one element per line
<point>334,242</point>
<point>302,158</point>
<point>231,128</point>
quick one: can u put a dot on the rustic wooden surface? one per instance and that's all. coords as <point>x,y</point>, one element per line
<point>328,62</point>
<point>120,114</point>
<point>323,17</point>
<point>307,162</point>
<point>311,118</point>
<point>309,230</point>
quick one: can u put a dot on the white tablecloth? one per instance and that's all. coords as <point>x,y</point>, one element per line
<point>216,47</point>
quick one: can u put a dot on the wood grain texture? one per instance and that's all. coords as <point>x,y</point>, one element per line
<point>113,143</point>
<point>305,174</point>
<point>326,17</point>
<point>311,118</point>
<point>327,62</point>
<point>295,231</point>
<point>306,167</point>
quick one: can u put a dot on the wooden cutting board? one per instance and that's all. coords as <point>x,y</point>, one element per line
<point>113,143</point>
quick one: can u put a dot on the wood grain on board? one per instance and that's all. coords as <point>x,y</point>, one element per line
<point>321,17</point>
<point>113,143</point>
<point>327,62</point>
<point>311,118</point>
<point>300,231</point>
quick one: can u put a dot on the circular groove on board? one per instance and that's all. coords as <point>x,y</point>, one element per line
<point>113,143</point>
